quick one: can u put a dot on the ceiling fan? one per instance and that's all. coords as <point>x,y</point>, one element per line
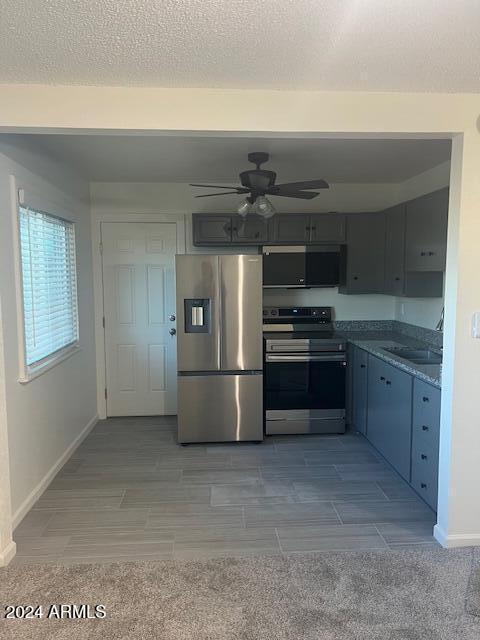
<point>259,183</point>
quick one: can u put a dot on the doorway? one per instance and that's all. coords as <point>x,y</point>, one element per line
<point>138,265</point>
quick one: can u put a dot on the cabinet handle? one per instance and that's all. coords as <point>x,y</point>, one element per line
<point>425,399</point>
<point>424,457</point>
<point>423,485</point>
<point>424,427</point>
<point>313,228</point>
<point>307,228</point>
<point>362,366</point>
<point>355,277</point>
<point>382,378</point>
<point>422,253</point>
<point>388,382</point>
<point>431,253</point>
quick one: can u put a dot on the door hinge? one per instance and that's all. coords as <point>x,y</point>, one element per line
<point>103,322</point>
<point>101,247</point>
<point>106,393</point>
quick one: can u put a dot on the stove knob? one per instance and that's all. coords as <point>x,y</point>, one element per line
<point>274,312</point>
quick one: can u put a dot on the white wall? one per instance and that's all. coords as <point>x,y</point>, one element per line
<point>7,546</point>
<point>47,415</point>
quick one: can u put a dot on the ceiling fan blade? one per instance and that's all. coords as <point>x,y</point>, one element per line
<point>209,195</point>
<point>306,184</point>
<point>220,186</point>
<point>287,193</point>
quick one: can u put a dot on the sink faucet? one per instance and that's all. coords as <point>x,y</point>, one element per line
<point>439,325</point>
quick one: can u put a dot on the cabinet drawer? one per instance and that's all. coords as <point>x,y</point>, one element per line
<point>425,441</point>
<point>425,482</point>
<point>426,412</point>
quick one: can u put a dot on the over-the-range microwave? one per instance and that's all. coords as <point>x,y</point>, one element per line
<point>301,266</point>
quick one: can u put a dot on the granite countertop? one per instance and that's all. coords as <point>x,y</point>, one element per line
<point>375,342</point>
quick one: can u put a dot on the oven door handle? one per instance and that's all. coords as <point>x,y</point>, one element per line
<point>340,357</point>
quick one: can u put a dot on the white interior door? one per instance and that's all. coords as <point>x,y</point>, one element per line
<point>139,298</point>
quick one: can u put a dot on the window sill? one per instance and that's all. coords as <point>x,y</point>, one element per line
<point>34,372</point>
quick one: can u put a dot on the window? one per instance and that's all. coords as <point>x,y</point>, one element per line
<point>49,286</point>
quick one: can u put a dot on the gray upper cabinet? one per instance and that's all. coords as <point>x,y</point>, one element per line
<point>359,365</point>
<point>249,230</point>
<point>327,227</point>
<point>426,232</point>
<point>290,228</point>
<point>389,416</point>
<point>363,257</point>
<point>395,250</point>
<point>211,229</point>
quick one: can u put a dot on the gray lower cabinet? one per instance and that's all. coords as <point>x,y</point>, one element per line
<point>389,426</point>
<point>426,232</point>
<point>362,264</point>
<point>359,372</point>
<point>211,229</point>
<point>425,441</point>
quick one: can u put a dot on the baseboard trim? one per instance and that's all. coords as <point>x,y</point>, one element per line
<point>455,540</point>
<point>30,500</point>
<point>7,555</point>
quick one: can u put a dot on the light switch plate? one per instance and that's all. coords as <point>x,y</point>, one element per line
<point>476,325</point>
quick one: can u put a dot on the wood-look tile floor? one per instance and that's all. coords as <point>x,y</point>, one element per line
<point>130,492</point>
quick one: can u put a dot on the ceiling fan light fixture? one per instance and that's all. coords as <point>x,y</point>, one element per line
<point>264,207</point>
<point>244,208</point>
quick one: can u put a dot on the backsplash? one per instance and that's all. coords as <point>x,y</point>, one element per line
<point>419,333</point>
<point>431,336</point>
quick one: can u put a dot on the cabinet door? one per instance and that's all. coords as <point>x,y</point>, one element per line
<point>425,441</point>
<point>363,257</point>
<point>252,229</point>
<point>327,227</point>
<point>211,229</point>
<point>426,235</point>
<point>394,250</point>
<point>290,228</point>
<point>389,416</point>
<point>359,389</point>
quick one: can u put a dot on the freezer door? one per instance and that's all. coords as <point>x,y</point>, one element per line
<point>241,313</point>
<point>198,335</point>
<point>220,408</point>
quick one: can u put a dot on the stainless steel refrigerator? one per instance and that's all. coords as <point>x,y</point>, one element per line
<point>219,348</point>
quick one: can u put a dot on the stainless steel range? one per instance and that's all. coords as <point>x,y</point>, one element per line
<point>305,365</point>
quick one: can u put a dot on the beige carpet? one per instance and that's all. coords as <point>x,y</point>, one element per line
<point>410,594</point>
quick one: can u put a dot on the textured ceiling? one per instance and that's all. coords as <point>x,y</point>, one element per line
<point>220,159</point>
<point>393,45</point>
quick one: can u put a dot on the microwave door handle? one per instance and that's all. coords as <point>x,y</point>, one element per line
<point>306,358</point>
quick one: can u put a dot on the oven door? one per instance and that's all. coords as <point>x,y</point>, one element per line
<point>304,393</point>
<point>305,381</point>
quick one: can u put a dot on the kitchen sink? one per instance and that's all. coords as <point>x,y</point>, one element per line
<point>417,356</point>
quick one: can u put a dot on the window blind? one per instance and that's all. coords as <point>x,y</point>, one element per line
<point>49,279</point>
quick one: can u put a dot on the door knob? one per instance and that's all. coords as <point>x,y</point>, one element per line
<point>171,317</point>
<point>172,331</point>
